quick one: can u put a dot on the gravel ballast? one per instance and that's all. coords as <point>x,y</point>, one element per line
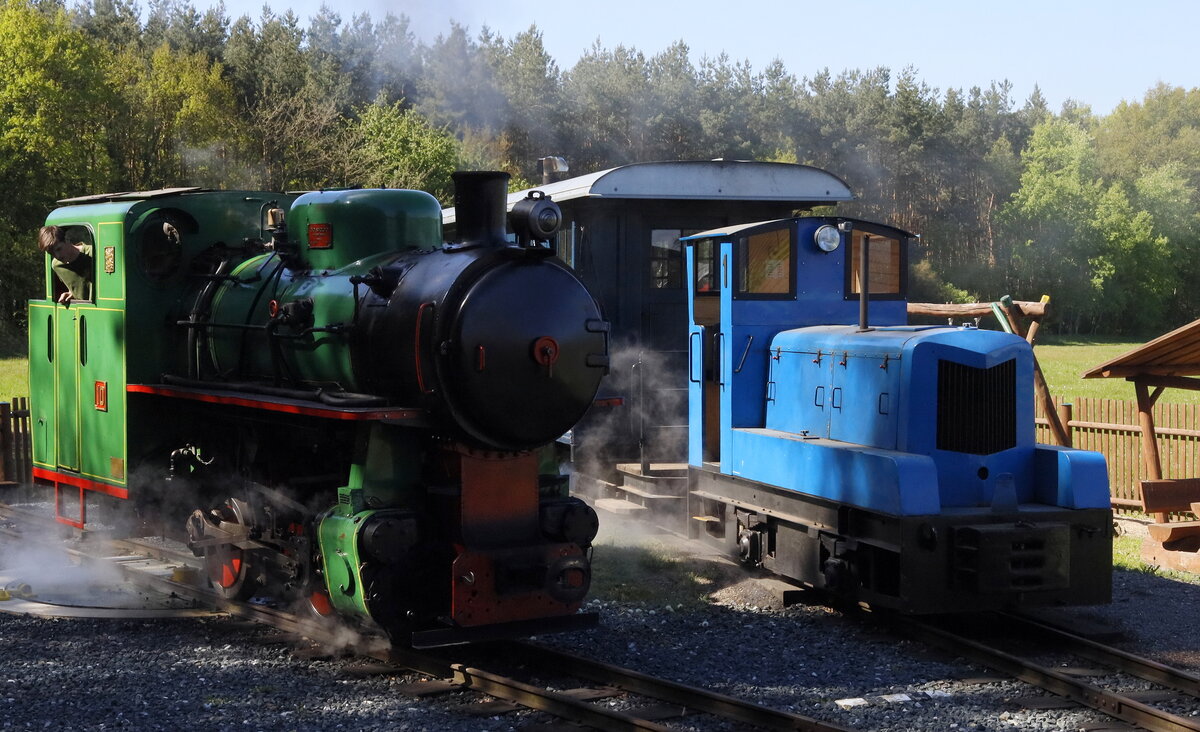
<point>222,673</point>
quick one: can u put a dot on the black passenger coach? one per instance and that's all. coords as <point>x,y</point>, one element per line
<point>620,232</point>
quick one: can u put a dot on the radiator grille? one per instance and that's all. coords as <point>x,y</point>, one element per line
<point>977,408</point>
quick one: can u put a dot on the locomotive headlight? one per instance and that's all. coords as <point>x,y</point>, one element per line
<point>827,238</point>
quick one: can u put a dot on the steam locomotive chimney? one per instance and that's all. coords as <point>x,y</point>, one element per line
<point>480,205</point>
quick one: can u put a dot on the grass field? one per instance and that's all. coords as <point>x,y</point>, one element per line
<point>14,377</point>
<point>1064,359</point>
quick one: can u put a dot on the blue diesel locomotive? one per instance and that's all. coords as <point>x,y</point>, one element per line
<point>893,465</point>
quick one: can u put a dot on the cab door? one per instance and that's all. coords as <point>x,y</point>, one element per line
<point>66,386</point>
<point>704,323</point>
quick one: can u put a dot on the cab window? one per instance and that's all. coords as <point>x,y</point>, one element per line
<point>79,236</point>
<point>706,268</point>
<point>765,264</point>
<point>884,268</point>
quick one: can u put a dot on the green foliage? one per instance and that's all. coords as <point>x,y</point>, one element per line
<point>925,285</point>
<point>52,142</point>
<point>398,148</point>
<point>1106,263</point>
<point>51,81</point>
<point>1099,212</point>
<point>186,111</point>
<point>1049,220</point>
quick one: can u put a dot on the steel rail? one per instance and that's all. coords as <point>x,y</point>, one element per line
<point>720,705</point>
<point>1143,668</point>
<point>1102,700</point>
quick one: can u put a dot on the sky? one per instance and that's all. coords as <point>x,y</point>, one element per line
<point>1098,52</point>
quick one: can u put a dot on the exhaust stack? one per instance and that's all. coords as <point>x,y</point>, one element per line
<point>481,205</point>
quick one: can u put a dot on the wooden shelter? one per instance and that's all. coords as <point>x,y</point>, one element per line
<point>1171,361</point>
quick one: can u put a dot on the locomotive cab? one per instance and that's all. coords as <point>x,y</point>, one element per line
<point>892,464</point>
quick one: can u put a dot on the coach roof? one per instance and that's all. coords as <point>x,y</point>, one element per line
<point>712,180</point>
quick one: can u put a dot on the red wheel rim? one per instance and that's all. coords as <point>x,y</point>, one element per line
<point>227,570</point>
<point>321,604</point>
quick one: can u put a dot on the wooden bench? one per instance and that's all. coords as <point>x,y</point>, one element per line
<point>1163,497</point>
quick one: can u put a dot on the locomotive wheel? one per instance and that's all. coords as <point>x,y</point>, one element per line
<point>227,570</point>
<point>231,570</point>
<point>316,601</point>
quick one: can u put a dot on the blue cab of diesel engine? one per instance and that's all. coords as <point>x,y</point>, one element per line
<point>902,419</point>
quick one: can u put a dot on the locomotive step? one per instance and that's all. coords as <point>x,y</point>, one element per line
<point>618,506</point>
<point>663,481</point>
<point>638,491</point>
<point>657,470</point>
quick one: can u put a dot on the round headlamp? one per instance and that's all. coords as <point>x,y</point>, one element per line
<point>827,238</point>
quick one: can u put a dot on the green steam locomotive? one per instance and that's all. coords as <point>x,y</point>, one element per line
<point>339,408</point>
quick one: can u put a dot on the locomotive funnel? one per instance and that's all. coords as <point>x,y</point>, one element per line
<point>480,200</point>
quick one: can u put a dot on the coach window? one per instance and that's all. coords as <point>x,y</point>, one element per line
<point>885,267</point>
<point>565,243</point>
<point>666,267</point>
<point>666,258</point>
<point>764,264</point>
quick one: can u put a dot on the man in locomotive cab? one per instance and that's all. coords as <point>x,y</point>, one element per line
<point>72,263</point>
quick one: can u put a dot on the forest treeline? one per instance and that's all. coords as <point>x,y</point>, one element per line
<point>1009,196</point>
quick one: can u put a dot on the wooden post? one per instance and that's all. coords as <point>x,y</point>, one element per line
<point>1037,322</point>
<point>5,440</point>
<point>1065,413</point>
<point>1150,458</point>
<point>1057,431</point>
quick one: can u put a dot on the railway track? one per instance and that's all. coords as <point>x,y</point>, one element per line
<point>1047,657</point>
<point>650,701</point>
<point>1138,691</point>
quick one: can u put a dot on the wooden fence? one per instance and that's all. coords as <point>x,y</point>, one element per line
<point>1110,426</point>
<point>16,442</point>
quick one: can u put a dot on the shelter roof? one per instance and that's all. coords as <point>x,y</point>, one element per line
<point>1174,354</point>
<point>704,180</point>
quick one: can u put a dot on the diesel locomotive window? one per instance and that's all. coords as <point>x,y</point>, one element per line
<point>885,266</point>
<point>764,264</point>
<point>706,268</point>
<point>666,258</point>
